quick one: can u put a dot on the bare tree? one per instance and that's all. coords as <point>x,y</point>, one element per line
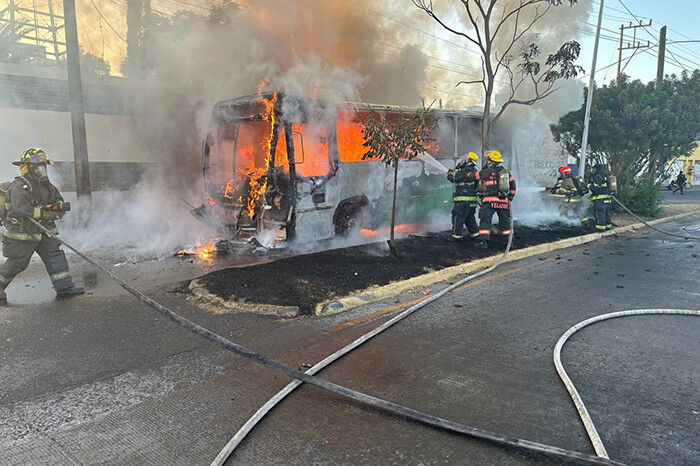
<point>507,23</point>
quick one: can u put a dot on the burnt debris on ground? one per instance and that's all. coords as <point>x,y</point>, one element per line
<point>304,281</point>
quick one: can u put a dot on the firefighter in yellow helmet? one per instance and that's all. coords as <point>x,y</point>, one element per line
<point>496,198</point>
<point>31,195</point>
<point>464,198</point>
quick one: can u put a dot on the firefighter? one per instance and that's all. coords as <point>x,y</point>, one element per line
<point>599,185</point>
<point>31,195</point>
<point>495,200</point>
<point>464,198</point>
<point>569,186</point>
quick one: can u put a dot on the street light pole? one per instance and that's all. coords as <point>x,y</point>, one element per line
<point>77,111</point>
<point>589,98</point>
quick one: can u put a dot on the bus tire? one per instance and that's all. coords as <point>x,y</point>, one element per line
<point>350,218</point>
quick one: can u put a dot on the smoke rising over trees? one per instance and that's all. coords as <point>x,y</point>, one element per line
<point>504,34</point>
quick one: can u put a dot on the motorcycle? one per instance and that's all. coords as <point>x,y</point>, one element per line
<point>673,185</point>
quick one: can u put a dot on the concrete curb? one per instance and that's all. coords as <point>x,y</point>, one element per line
<point>378,293</point>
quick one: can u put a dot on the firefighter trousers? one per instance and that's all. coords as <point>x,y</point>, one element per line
<point>464,213</point>
<point>19,253</point>
<point>570,208</point>
<point>601,209</point>
<point>486,215</point>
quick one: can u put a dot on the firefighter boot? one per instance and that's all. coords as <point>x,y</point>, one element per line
<point>70,291</point>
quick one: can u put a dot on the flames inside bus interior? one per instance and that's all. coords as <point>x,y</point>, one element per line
<point>278,166</point>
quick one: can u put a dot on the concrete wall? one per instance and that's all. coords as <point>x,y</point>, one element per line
<point>34,112</point>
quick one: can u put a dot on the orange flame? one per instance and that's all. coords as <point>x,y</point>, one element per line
<point>403,229</point>
<point>350,138</point>
<point>258,178</point>
<point>207,251</point>
<point>262,85</point>
<point>229,190</point>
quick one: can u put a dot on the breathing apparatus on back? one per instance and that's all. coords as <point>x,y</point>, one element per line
<point>496,160</point>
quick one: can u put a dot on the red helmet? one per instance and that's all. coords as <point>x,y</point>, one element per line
<point>565,170</point>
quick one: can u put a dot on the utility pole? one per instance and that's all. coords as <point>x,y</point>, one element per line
<point>634,45</point>
<point>662,58</point>
<point>589,98</point>
<point>77,113</point>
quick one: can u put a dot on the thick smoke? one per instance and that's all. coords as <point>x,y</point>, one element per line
<point>338,51</point>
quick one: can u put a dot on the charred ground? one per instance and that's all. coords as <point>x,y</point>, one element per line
<point>306,280</point>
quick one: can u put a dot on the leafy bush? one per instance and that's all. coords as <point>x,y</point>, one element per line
<point>644,199</point>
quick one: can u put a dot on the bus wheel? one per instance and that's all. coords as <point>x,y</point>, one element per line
<point>349,220</point>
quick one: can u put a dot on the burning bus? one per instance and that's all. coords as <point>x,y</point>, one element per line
<point>281,167</point>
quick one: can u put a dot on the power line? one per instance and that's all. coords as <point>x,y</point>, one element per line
<point>671,53</point>
<point>106,21</point>
<point>420,30</point>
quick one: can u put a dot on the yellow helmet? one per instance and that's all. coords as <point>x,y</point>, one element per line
<point>495,156</point>
<point>471,156</point>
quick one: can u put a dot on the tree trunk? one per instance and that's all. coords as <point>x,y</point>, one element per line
<point>652,165</point>
<point>485,126</point>
<point>392,245</point>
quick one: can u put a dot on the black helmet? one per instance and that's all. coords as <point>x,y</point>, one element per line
<point>34,155</point>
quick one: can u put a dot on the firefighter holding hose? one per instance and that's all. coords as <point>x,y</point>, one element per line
<point>464,199</point>
<point>601,186</point>
<point>499,191</point>
<point>32,196</point>
<point>569,186</point>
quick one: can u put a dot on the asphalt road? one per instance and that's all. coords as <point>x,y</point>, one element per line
<point>103,380</point>
<point>689,197</point>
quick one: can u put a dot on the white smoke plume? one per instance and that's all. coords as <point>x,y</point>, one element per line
<point>338,51</point>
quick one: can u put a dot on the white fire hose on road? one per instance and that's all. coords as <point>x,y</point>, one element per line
<point>578,402</point>
<point>367,400</point>
<point>585,417</point>
<point>272,402</point>
<point>374,402</point>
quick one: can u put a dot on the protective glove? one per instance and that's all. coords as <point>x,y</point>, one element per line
<point>49,215</point>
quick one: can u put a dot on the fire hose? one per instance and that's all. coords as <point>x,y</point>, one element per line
<point>377,403</point>
<point>652,226</point>
<point>583,413</point>
<point>576,398</point>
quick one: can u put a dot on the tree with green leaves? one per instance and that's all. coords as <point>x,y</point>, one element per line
<point>637,128</point>
<point>502,31</point>
<point>393,140</point>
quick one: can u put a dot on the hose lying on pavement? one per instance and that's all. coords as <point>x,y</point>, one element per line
<point>578,402</point>
<point>272,402</point>
<point>652,226</point>
<point>369,400</point>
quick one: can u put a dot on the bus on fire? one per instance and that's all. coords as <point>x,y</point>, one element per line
<point>280,167</point>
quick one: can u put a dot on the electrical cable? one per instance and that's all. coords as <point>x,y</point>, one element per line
<point>575,397</point>
<point>378,403</point>
<point>108,23</point>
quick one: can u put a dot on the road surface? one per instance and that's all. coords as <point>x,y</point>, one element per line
<point>103,379</point>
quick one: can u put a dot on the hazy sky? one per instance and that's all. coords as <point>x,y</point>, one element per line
<point>681,17</point>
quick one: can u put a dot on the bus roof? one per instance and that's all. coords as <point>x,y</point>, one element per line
<point>249,105</point>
